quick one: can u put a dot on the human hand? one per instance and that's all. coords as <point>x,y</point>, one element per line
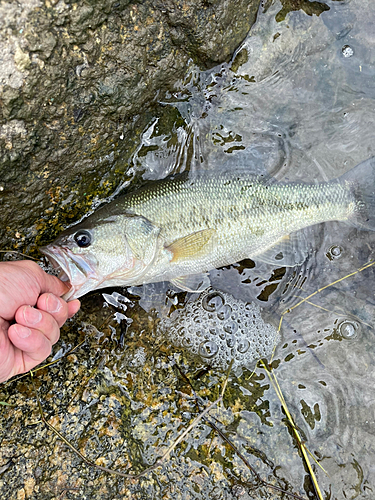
<point>31,314</point>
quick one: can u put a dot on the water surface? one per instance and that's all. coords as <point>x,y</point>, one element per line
<point>297,102</point>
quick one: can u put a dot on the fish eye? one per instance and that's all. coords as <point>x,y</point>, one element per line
<point>82,238</point>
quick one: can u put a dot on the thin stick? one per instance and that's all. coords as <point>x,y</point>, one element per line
<point>226,378</point>
<point>225,438</point>
<point>47,364</point>
<point>339,313</point>
<point>366,266</point>
<point>19,253</point>
<point>246,462</point>
<point>186,431</point>
<point>276,385</point>
<point>302,447</point>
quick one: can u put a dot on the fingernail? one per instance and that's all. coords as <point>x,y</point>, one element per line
<point>22,331</point>
<point>53,303</point>
<point>31,315</point>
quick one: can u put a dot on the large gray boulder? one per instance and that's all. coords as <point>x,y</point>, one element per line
<point>78,82</point>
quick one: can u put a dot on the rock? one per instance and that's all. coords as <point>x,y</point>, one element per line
<point>78,82</point>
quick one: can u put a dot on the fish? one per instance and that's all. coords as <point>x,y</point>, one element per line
<point>179,228</point>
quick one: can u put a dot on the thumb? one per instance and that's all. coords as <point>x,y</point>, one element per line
<point>52,284</point>
<point>47,283</point>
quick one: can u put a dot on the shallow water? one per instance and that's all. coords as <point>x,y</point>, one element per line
<point>297,102</point>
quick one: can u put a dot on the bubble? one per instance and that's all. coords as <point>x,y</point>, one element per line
<point>231,327</point>
<point>187,342</point>
<point>231,342</point>
<point>219,328</point>
<point>334,252</point>
<point>348,330</point>
<point>238,490</point>
<point>347,51</point>
<point>208,349</point>
<point>224,312</point>
<point>243,346</point>
<point>181,331</point>
<point>213,301</point>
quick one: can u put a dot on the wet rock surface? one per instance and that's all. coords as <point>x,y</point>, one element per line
<point>121,403</point>
<point>77,81</point>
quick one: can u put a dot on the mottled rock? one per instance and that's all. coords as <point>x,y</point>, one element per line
<point>77,81</point>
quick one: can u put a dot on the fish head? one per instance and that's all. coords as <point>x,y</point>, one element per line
<point>114,251</point>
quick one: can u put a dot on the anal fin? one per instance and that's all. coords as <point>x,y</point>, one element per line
<point>288,251</point>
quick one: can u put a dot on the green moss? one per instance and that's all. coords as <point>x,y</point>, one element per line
<point>241,58</point>
<point>308,7</point>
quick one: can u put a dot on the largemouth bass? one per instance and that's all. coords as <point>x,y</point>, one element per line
<point>179,228</point>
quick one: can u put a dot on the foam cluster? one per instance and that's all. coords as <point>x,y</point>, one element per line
<point>219,328</point>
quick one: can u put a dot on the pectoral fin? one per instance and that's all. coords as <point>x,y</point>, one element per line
<point>192,283</point>
<point>192,245</point>
<point>289,251</point>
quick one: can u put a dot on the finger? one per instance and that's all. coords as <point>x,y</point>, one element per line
<point>55,306</point>
<point>32,342</point>
<point>50,283</point>
<point>73,307</point>
<point>43,281</point>
<point>42,321</point>
<point>7,365</point>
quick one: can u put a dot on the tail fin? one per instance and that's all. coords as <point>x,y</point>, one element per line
<point>362,181</point>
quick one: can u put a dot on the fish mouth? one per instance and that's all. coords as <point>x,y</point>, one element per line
<point>73,269</point>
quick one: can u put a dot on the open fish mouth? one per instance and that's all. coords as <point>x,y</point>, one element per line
<point>58,264</point>
<point>72,269</point>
